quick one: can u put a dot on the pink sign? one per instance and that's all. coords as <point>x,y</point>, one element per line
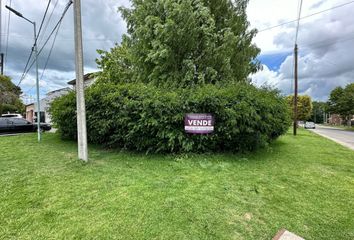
<point>199,123</point>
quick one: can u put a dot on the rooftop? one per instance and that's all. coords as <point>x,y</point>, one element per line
<point>87,76</point>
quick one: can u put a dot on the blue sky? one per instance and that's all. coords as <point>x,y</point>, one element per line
<point>325,40</point>
<point>273,60</point>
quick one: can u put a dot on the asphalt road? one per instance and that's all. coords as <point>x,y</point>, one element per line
<point>343,137</point>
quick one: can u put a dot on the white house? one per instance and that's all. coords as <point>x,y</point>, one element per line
<point>31,109</point>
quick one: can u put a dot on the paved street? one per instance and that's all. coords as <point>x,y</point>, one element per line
<point>345,138</point>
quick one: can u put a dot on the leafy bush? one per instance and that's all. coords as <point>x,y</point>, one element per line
<point>145,118</point>
<point>63,111</point>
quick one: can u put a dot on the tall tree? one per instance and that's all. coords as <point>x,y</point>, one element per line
<point>9,96</point>
<point>318,111</point>
<point>180,43</point>
<point>341,101</point>
<point>304,106</point>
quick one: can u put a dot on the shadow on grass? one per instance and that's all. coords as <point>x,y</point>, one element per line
<point>98,153</point>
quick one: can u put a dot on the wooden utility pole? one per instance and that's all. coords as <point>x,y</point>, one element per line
<point>295,70</point>
<point>2,63</point>
<point>295,89</point>
<point>80,96</point>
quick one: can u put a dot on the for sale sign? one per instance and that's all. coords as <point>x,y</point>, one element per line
<point>199,123</point>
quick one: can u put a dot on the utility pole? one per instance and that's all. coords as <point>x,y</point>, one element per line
<point>80,96</point>
<point>35,49</point>
<point>295,89</point>
<point>295,70</point>
<point>2,63</point>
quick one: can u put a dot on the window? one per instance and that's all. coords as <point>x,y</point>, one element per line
<point>42,117</point>
<point>19,121</point>
<point>3,122</point>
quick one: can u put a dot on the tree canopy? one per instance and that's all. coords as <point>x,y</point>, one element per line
<point>318,111</point>
<point>9,96</point>
<point>341,101</point>
<point>179,43</point>
<point>304,106</point>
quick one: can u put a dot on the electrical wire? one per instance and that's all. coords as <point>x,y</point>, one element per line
<point>45,14</point>
<point>313,14</point>
<point>55,27</point>
<point>298,22</point>
<point>25,69</point>
<point>48,21</point>
<point>45,43</point>
<point>31,53</point>
<point>50,52</point>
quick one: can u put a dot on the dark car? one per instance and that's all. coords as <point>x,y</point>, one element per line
<point>19,125</point>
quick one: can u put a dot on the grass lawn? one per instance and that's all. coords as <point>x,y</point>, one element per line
<point>303,183</point>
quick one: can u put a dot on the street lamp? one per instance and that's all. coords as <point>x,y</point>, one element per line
<point>36,59</point>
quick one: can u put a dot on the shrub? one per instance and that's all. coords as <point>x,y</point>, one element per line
<point>63,112</point>
<point>145,118</point>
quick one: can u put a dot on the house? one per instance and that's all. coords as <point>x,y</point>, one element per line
<point>336,119</point>
<point>31,109</point>
<point>89,79</point>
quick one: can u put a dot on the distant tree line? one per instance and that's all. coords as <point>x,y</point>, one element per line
<point>341,102</point>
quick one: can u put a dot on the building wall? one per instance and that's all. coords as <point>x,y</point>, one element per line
<point>45,104</point>
<point>335,119</point>
<point>30,112</point>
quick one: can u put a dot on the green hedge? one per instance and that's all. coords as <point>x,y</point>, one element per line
<point>145,118</point>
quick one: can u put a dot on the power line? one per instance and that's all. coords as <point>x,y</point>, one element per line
<point>320,44</point>
<point>98,39</point>
<point>25,69</point>
<point>298,22</point>
<point>48,21</point>
<point>45,43</point>
<point>313,14</point>
<point>30,56</point>
<point>45,14</point>
<point>56,26</point>
<point>50,52</point>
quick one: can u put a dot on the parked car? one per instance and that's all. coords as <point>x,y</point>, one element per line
<point>12,115</point>
<point>301,123</point>
<point>310,125</point>
<point>19,125</point>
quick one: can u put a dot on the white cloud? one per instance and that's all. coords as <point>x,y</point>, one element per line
<point>325,42</point>
<point>326,55</point>
<point>102,28</point>
<point>265,77</point>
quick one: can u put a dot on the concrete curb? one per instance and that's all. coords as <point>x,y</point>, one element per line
<point>334,140</point>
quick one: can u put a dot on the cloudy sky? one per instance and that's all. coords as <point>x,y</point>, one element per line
<point>325,42</point>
